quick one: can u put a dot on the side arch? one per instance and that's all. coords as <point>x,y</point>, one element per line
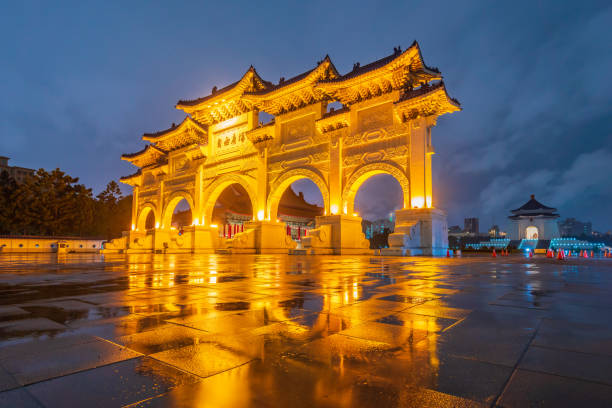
<point>361,174</point>
<point>214,190</point>
<point>172,202</point>
<point>283,181</point>
<point>141,218</point>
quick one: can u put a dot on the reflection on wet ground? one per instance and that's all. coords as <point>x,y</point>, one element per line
<point>275,331</point>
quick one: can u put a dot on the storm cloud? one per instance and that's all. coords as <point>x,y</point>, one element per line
<point>82,82</point>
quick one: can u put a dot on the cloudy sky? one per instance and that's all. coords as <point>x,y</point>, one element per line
<point>81,82</point>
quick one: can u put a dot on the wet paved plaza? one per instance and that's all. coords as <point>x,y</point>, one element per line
<point>291,331</point>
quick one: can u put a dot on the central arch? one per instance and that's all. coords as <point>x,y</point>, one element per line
<point>361,174</point>
<point>173,201</point>
<point>219,185</point>
<point>141,220</point>
<point>283,181</point>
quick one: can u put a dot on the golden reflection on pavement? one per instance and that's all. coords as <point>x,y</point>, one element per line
<point>258,330</point>
<point>253,323</point>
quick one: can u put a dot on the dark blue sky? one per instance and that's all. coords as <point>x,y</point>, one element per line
<point>82,82</point>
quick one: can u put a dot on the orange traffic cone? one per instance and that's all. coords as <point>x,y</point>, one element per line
<point>447,253</point>
<point>531,254</point>
<point>559,254</point>
<point>591,253</point>
<point>494,254</point>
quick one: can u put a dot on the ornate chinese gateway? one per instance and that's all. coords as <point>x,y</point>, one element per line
<point>383,125</point>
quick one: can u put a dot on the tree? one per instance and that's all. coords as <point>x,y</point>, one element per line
<point>53,204</point>
<point>109,212</point>
<point>8,207</point>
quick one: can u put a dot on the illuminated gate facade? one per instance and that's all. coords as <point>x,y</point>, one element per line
<point>386,111</point>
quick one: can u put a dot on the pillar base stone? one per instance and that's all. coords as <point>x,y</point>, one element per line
<point>419,231</point>
<point>261,237</point>
<point>337,235</point>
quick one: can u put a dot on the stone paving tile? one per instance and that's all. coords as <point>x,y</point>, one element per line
<point>489,337</point>
<point>334,349</point>
<point>360,313</point>
<point>202,360</point>
<point>575,336</point>
<point>429,324</point>
<point>33,346</point>
<point>12,311</point>
<point>231,323</point>
<point>438,308</point>
<point>584,366</point>
<point>532,389</point>
<point>20,328</point>
<point>18,398</point>
<point>113,385</point>
<point>394,335</point>
<point>116,327</point>
<point>7,381</point>
<point>164,338</point>
<point>45,364</point>
<point>311,331</point>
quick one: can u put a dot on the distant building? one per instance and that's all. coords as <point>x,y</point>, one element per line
<point>470,225</point>
<point>19,174</point>
<point>454,230</point>
<point>574,228</point>
<point>495,232</point>
<point>534,221</point>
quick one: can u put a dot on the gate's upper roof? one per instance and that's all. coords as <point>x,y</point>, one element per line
<point>226,102</point>
<point>396,71</point>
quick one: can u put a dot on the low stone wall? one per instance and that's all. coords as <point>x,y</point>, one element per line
<point>34,244</point>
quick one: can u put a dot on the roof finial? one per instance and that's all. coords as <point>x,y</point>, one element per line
<point>214,89</point>
<point>533,196</point>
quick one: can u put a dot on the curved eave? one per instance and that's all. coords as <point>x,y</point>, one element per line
<point>232,91</point>
<point>132,179</point>
<point>173,131</point>
<point>369,73</point>
<point>437,97</point>
<point>539,215</point>
<point>309,79</point>
<point>135,158</point>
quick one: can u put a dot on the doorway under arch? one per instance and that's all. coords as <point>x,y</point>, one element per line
<point>362,174</point>
<point>531,232</point>
<point>146,219</point>
<point>231,209</point>
<point>376,201</point>
<point>180,204</point>
<point>282,183</point>
<point>299,206</point>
